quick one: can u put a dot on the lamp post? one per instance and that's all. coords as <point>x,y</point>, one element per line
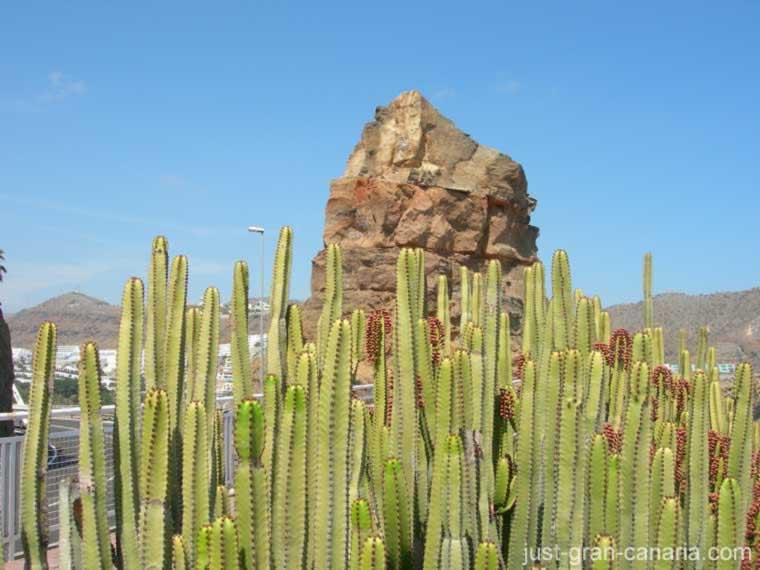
<point>260,231</point>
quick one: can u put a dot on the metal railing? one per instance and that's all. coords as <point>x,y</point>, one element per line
<point>63,465</point>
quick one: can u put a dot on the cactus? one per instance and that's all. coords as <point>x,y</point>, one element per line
<point>404,424</point>
<point>69,540</point>
<point>373,554</point>
<point>295,341</point>
<point>361,529</point>
<point>179,553</point>
<point>174,352</point>
<point>289,502</point>
<point>332,508</point>
<point>195,475</point>
<point>648,303</point>
<point>217,545</point>
<point>525,521</point>
<point>600,444</point>
<point>562,295</point>
<point>154,469</point>
<point>33,532</point>
<point>252,487</point>
<point>487,556</point>
<point>443,313</point>
<point>332,306</point>
<point>92,463</point>
<point>397,516</point>
<point>278,301</point>
<point>204,385</point>
<point>698,472</point>
<point>729,522</point>
<point>740,451</point>
<point>155,336</point>
<point>242,372</point>
<point>127,425</point>
<point>358,331</point>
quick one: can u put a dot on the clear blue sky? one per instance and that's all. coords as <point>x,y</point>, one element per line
<point>637,124</point>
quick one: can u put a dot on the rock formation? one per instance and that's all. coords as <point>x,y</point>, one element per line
<point>415,180</point>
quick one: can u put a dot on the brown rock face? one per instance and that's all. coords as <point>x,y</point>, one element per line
<point>415,180</point>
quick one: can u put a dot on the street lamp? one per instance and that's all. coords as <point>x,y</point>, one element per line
<point>260,231</point>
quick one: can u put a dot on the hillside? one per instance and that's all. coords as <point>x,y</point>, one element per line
<point>733,320</point>
<point>80,317</point>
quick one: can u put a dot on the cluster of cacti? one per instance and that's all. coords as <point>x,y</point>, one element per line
<point>467,457</point>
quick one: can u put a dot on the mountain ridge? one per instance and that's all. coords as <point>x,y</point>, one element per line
<point>733,319</point>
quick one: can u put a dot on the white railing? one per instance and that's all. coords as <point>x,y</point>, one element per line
<point>63,463</point>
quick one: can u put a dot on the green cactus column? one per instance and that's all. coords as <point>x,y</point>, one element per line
<point>127,423</point>
<point>154,470</point>
<point>290,490</point>
<point>206,361</point>
<point>332,305</point>
<point>362,527</point>
<point>195,475</point>
<point>92,463</point>
<point>34,468</point>
<point>331,519</point>
<point>405,421</point>
<point>648,303</point>
<point>698,466</point>
<point>155,335</point>
<point>218,545</point>
<point>634,463</point>
<point>358,340</point>
<point>740,450</point>
<point>242,375</point>
<point>373,554</point>
<point>174,381</point>
<point>730,523</point>
<point>278,301</point>
<point>295,341</point>
<point>69,540</point>
<point>252,487</point>
<point>443,312</point>
<point>179,554</point>
<point>525,519</point>
<point>397,516</point>
<point>174,350</point>
<point>563,299</point>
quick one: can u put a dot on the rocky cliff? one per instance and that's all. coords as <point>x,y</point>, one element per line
<point>415,180</point>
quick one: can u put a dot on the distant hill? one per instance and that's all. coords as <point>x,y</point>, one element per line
<point>78,317</point>
<point>733,320</point>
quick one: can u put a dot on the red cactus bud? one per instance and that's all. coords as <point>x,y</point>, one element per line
<point>506,404</point>
<point>621,348</point>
